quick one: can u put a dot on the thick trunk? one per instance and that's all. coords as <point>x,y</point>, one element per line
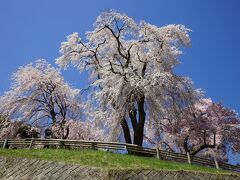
<point>138,132</point>
<point>133,117</point>
<point>138,124</point>
<point>126,131</point>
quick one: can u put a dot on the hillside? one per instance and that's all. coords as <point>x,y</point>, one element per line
<point>105,160</point>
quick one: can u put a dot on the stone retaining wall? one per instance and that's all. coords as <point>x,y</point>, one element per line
<point>168,175</point>
<point>32,169</point>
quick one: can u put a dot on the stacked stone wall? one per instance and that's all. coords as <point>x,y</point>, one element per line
<point>33,169</point>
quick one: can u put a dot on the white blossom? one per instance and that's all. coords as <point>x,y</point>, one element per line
<point>39,95</point>
<point>131,66</point>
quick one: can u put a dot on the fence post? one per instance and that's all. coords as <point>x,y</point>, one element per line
<point>31,144</point>
<point>5,143</point>
<point>158,155</point>
<point>93,145</point>
<point>189,158</point>
<point>61,144</point>
<point>216,162</point>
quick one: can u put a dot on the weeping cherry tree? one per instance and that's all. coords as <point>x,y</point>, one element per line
<point>131,67</point>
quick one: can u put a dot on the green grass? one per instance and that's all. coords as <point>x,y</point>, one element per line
<point>105,160</point>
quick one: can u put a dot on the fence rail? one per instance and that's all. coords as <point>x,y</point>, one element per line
<point>115,146</point>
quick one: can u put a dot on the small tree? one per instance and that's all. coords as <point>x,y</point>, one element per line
<point>206,129</point>
<point>132,68</point>
<point>17,129</point>
<point>39,95</point>
<point>27,131</point>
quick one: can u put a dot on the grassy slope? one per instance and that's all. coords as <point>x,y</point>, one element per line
<point>106,160</point>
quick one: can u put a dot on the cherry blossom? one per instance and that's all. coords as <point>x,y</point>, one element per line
<point>131,66</point>
<point>40,96</point>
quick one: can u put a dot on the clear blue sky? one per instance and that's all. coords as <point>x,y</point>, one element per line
<point>32,29</point>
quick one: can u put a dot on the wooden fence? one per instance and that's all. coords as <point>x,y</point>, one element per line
<point>115,146</point>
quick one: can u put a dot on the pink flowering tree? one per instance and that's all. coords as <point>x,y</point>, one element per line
<point>132,72</point>
<point>40,96</point>
<point>207,129</point>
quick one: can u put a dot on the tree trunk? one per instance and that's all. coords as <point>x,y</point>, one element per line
<point>185,144</point>
<point>53,116</point>
<point>192,151</point>
<point>137,123</point>
<point>126,131</point>
<point>138,132</point>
